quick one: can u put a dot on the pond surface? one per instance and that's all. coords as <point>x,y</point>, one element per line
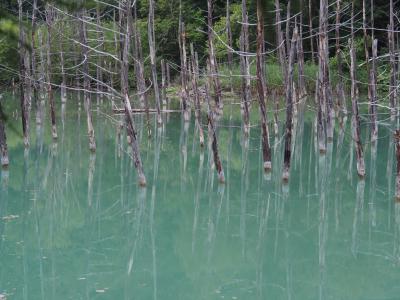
<point>77,226</point>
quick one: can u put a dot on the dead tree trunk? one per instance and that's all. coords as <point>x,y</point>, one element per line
<point>213,135</point>
<point>354,99</point>
<point>374,99</point>
<point>63,77</point>
<point>182,50</point>
<point>140,79</point>
<point>163,84</point>
<point>86,82</point>
<point>279,38</point>
<point>195,77</point>
<point>393,79</point>
<point>22,77</point>
<point>213,61</point>
<point>300,58</point>
<point>3,141</point>
<point>152,46</point>
<point>49,21</point>
<point>245,69</point>
<point>229,38</point>
<point>339,87</point>
<point>260,88</point>
<point>287,35</point>
<point>99,63</point>
<point>33,55</point>
<point>311,33</point>
<point>130,127</point>
<point>397,145</point>
<point>289,108</point>
<point>323,70</point>
<point>364,22</point>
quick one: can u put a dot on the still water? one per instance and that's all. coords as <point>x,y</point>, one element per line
<point>76,226</point>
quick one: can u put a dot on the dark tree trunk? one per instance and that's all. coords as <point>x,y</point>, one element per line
<point>3,141</point>
<point>266,149</point>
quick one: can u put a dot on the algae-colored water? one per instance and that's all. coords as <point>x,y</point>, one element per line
<point>76,226</point>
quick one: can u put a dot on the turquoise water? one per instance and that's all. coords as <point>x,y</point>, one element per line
<point>77,226</point>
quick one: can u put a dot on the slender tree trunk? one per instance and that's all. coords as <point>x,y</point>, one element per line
<point>364,20</point>
<point>22,77</point>
<point>63,77</point>
<point>289,108</point>
<point>229,39</point>
<point>168,76</point>
<point>287,35</point>
<point>279,38</point>
<point>86,82</point>
<point>397,147</point>
<point>213,60</point>
<point>260,88</point>
<point>393,79</point>
<point>323,71</point>
<point>354,98</point>
<point>374,99</point>
<point>300,57</point>
<point>213,135</point>
<point>163,84</point>
<point>245,69</point>
<point>99,67</point>
<point>130,127</point>
<point>152,46</point>
<point>3,141</point>
<point>182,49</point>
<point>33,55</point>
<point>49,21</point>
<point>311,33</point>
<point>340,86</point>
<point>195,77</point>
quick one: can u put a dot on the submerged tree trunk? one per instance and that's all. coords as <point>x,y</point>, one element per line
<point>374,99</point>
<point>152,46</point>
<point>195,77</point>
<point>184,69</point>
<point>354,99</point>
<point>49,21</point>
<point>213,136</point>
<point>397,146</point>
<point>323,71</point>
<point>22,77</point>
<point>339,87</point>
<point>245,69</point>
<point>86,82</point>
<point>289,108</point>
<point>130,127</point>
<point>393,80</point>
<point>229,38</point>
<point>3,141</point>
<point>266,149</point>
<point>213,60</point>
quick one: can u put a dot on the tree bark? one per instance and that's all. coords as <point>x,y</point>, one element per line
<point>213,61</point>
<point>289,108</point>
<point>152,46</point>
<point>245,69</point>
<point>260,88</point>
<point>86,82</point>
<point>49,21</point>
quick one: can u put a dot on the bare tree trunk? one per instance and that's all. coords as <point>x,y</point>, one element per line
<point>86,82</point>
<point>163,83</point>
<point>393,79</point>
<point>260,88</point>
<point>229,38</point>
<point>168,76</point>
<point>63,77</point>
<point>99,67</point>
<point>340,87</point>
<point>279,39</point>
<point>289,108</point>
<point>22,77</point>
<point>397,146</point>
<point>323,71</point>
<point>311,33</point>
<point>3,141</point>
<point>141,82</point>
<point>213,135</point>
<point>300,57</point>
<point>287,35</point>
<point>213,60</point>
<point>130,127</point>
<point>33,56</point>
<point>354,98</point>
<point>364,20</point>
<point>195,77</point>
<point>245,69</point>
<point>49,21</point>
<point>374,99</point>
<point>152,46</point>
<point>182,49</point>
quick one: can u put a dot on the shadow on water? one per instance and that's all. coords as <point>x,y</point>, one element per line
<point>75,225</point>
